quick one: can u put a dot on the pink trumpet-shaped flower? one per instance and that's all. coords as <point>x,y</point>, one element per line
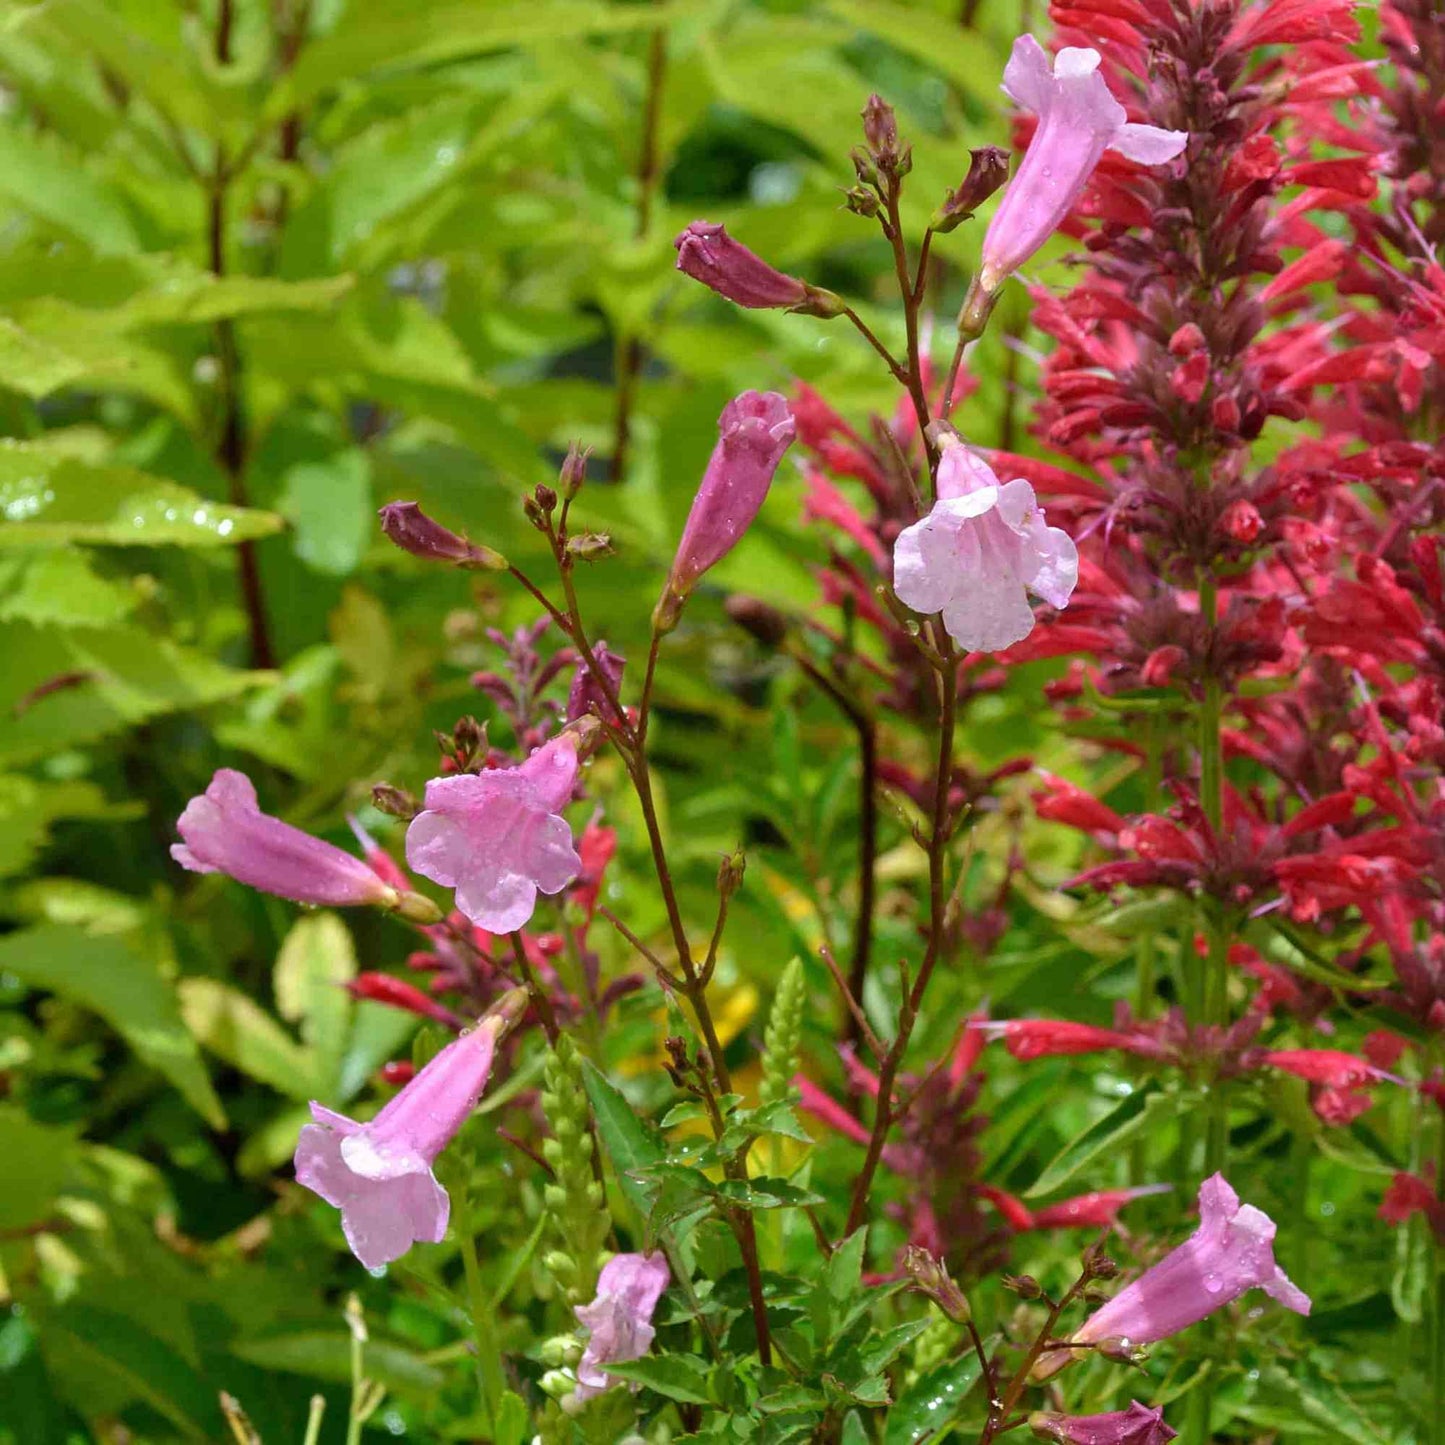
<point>979,552</point>
<point>1046,1038</point>
<point>754,431</point>
<point>619,1320</point>
<point>225,831</point>
<point>498,837</point>
<point>1138,1425</point>
<point>1078,121</point>
<point>1333,1068</point>
<point>379,1174</point>
<point>1231,1252</point>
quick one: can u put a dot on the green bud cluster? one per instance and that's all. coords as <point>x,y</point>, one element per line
<point>574,1198</point>
<point>783,1035</point>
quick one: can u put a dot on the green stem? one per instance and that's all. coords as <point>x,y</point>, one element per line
<point>491,1381</point>
<point>1437,1352</point>
<point>313,1420</point>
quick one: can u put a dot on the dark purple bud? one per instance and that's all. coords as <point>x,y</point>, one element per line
<point>730,873</point>
<point>758,618</point>
<point>546,497</point>
<point>708,254</point>
<point>574,470</point>
<point>586,696</point>
<point>987,171</point>
<point>880,131</point>
<point>413,531</point>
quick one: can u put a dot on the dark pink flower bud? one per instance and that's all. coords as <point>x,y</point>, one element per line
<point>398,993</point>
<point>1241,521</point>
<point>987,171</point>
<point>708,254</point>
<point>586,694</point>
<point>413,531</point>
<point>754,431</point>
<point>1138,1425</point>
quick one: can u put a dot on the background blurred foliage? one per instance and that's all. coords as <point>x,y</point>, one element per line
<point>265,265</point>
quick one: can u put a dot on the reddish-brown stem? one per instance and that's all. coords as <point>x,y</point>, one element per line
<point>939,834</point>
<point>540,1001</point>
<point>629,348</point>
<point>911,303</point>
<point>900,374</point>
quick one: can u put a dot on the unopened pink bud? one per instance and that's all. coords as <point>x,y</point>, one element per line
<point>754,431</point>
<point>413,531</point>
<point>1138,1425</point>
<point>708,254</point>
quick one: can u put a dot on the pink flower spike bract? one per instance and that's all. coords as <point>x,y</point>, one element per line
<point>1078,121</point>
<point>619,1320</point>
<point>979,552</point>
<point>498,837</point>
<point>1232,1251</point>
<point>379,1174</point>
<point>225,831</point>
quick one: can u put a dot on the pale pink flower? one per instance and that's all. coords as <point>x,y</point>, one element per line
<point>498,837</point>
<point>1078,121</point>
<point>619,1320</point>
<point>225,831</point>
<point>379,1174</point>
<point>979,552</point>
<point>1231,1252</point>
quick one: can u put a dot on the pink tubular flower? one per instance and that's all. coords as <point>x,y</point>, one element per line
<point>978,553</point>
<point>754,431</point>
<point>1046,1038</point>
<point>498,838</point>
<point>225,831</point>
<point>1078,121</point>
<point>1138,1425</point>
<point>708,254</point>
<point>619,1320</point>
<point>1331,1067</point>
<point>1231,1252</point>
<point>379,1174</point>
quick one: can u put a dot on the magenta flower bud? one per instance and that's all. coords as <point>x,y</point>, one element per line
<point>413,531</point>
<point>379,1174</point>
<point>619,1320</point>
<point>586,695</point>
<point>1138,1425</point>
<point>708,254</point>
<point>224,831</point>
<point>1231,1252</point>
<point>1078,121</point>
<point>754,431</point>
<point>498,837</point>
<point>979,553</point>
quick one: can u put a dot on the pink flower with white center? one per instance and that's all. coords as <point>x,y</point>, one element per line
<point>1231,1252</point>
<point>979,552</point>
<point>379,1174</point>
<point>225,831</point>
<point>1078,121</point>
<point>619,1320</point>
<point>498,837</point>
<point>1138,1425</point>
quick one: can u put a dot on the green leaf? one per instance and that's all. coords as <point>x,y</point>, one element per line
<point>1322,1402</point>
<point>64,686</point>
<point>628,1141</point>
<point>37,1164</point>
<point>128,992</point>
<point>316,962</point>
<point>33,365</point>
<point>963,55</point>
<point>679,1377</point>
<point>330,508</point>
<point>326,1355</point>
<point>927,1406</point>
<point>60,588</point>
<point>39,173</point>
<point>46,497</point>
<point>1145,1108</point>
<point>1410,1279</point>
<point>27,809</point>
<point>237,1029</point>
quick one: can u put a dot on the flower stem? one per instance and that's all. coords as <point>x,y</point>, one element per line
<point>491,1382</point>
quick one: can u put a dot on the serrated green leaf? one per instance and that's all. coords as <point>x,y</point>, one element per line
<point>1146,1108</point>
<point>103,975</point>
<point>316,962</point>
<point>39,173</point>
<point>46,497</point>
<point>678,1377</point>
<point>627,1140</point>
<point>931,1402</point>
<point>237,1029</point>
